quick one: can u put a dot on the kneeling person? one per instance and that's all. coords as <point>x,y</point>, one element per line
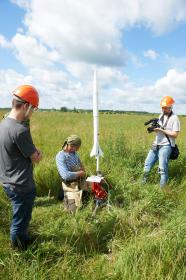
<point>72,173</point>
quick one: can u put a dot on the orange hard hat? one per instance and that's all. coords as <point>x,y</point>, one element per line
<point>167,101</point>
<point>27,93</point>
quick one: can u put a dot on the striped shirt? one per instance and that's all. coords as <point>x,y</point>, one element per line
<point>67,163</point>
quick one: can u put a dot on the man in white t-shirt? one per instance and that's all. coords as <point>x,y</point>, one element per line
<point>161,147</point>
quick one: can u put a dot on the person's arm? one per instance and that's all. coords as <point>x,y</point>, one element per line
<point>173,134</point>
<point>63,169</point>
<point>25,145</point>
<point>80,163</point>
<point>175,129</point>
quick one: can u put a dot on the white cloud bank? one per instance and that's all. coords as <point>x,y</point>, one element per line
<point>116,90</point>
<point>90,31</point>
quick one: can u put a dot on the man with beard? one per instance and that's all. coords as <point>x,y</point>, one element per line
<point>164,141</point>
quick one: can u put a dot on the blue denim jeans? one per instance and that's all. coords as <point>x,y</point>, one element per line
<point>162,154</point>
<point>22,205</point>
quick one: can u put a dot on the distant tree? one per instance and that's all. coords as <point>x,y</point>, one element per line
<point>64,109</point>
<point>75,110</point>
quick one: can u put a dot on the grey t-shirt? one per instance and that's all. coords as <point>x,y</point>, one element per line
<point>173,124</point>
<point>16,147</point>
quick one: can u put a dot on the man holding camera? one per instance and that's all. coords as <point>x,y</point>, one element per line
<point>167,131</point>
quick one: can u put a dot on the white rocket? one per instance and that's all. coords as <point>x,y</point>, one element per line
<point>96,150</point>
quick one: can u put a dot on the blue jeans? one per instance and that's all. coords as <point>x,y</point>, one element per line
<point>22,205</point>
<point>162,154</point>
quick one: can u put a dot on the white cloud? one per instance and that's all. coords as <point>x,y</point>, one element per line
<point>174,84</point>
<point>25,4</point>
<point>90,31</point>
<point>147,98</point>
<point>4,42</point>
<point>74,32</point>
<point>55,88</point>
<point>116,91</point>
<point>153,55</point>
<point>9,80</point>
<point>163,16</point>
<point>80,32</point>
<point>32,53</point>
<point>107,74</point>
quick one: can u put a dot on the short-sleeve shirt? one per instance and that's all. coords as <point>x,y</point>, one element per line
<point>16,147</point>
<point>173,124</point>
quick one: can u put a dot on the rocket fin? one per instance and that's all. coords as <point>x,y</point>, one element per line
<point>96,152</point>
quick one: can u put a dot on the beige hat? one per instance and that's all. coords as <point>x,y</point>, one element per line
<point>73,140</point>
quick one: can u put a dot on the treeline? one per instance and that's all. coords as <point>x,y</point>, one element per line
<point>65,109</point>
<point>74,110</point>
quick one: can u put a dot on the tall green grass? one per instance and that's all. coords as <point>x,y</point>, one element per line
<point>143,235</point>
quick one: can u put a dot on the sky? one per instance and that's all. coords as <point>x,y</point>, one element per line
<point>138,48</point>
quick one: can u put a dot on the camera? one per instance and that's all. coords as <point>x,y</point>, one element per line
<point>154,124</point>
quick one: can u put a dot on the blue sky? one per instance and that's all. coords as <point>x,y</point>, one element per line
<point>140,39</point>
<point>11,18</point>
<point>137,47</point>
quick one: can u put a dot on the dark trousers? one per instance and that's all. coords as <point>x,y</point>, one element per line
<point>22,205</point>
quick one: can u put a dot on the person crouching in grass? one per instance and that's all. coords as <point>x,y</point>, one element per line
<point>72,173</point>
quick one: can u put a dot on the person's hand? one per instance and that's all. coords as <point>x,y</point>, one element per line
<point>36,157</point>
<point>81,173</point>
<point>158,129</point>
<point>39,155</point>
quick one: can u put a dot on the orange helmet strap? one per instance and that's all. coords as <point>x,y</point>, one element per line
<point>28,110</point>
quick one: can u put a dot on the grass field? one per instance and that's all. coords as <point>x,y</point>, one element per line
<point>144,237</point>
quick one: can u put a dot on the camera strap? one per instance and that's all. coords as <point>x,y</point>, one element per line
<point>162,120</point>
<point>164,125</point>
